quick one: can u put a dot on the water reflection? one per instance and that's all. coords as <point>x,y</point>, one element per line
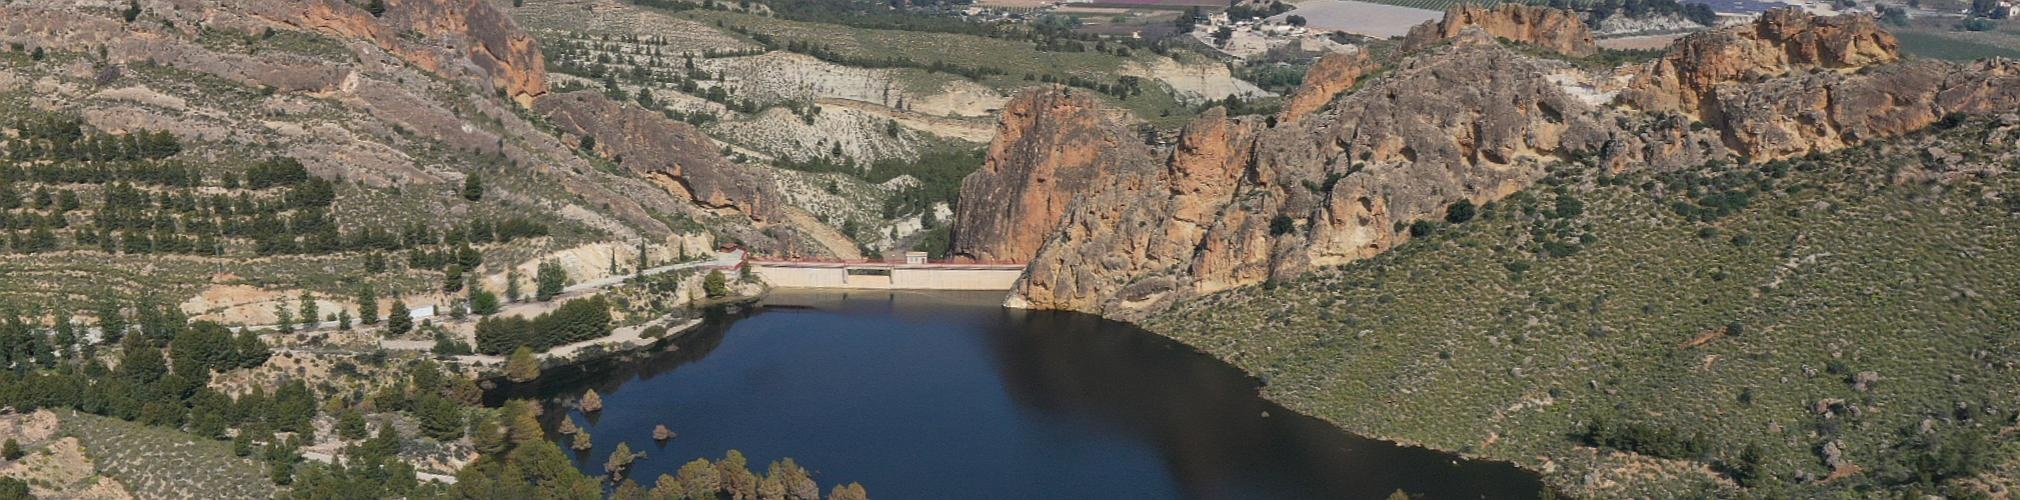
<point>939,396</point>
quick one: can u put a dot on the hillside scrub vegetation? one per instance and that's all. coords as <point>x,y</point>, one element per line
<point>1732,329</point>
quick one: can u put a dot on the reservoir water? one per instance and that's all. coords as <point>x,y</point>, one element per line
<point>944,395</point>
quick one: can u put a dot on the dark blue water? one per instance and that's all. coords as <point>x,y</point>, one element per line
<point>952,396</point>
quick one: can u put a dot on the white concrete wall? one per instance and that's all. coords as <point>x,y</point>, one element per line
<point>901,278</point>
<point>954,279</point>
<point>802,277</point>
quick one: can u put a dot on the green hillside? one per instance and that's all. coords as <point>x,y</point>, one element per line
<point>1690,315</point>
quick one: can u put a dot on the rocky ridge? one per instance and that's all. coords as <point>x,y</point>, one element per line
<point>1240,201</point>
<point>645,143</point>
<point>493,49</point>
<point>1560,30</point>
<point>365,98</point>
<point>1333,73</point>
<point>1055,144</point>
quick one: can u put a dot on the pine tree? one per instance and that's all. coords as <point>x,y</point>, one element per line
<point>351,424</point>
<point>550,280</point>
<point>483,302</point>
<point>252,352</point>
<point>284,318</point>
<point>592,402</point>
<point>368,306</point>
<point>309,314</point>
<point>399,320</point>
<point>473,187</point>
<point>66,336</point>
<point>452,278</point>
<point>512,292</point>
<point>715,284</point>
<point>522,366</point>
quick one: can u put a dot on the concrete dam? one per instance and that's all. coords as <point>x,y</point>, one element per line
<point>913,273</point>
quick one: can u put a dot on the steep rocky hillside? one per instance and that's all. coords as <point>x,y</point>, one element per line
<point>1242,201</point>
<point>1554,29</point>
<point>386,116</point>
<point>1056,144</point>
<point>1768,263</point>
<point>1840,325</point>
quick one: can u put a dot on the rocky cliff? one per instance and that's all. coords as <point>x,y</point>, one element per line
<point>648,144</point>
<point>1780,42</point>
<point>458,38</point>
<point>1560,30</point>
<point>1240,201</point>
<point>1332,74</point>
<point>1792,83</point>
<point>1052,146</point>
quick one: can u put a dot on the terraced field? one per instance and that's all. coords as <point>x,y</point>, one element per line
<point>155,462</point>
<point>1437,5</point>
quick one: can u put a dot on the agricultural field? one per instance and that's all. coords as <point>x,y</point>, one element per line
<point>1375,19</point>
<point>157,462</point>
<point>1940,38</point>
<point>1739,322</point>
<point>1942,46</point>
<point>1160,4</point>
<point>1433,5</point>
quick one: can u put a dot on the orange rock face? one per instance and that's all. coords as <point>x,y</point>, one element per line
<point>1238,201</point>
<point>650,144</point>
<point>1559,30</point>
<point>463,38</point>
<point>1340,174</point>
<point>1331,75</point>
<point>1780,42</point>
<point>1051,146</point>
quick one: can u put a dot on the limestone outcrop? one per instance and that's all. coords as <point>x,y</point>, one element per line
<point>460,38</point>
<point>1780,42</point>
<point>649,144</point>
<point>1238,202</point>
<point>1826,111</point>
<point>1560,30</point>
<point>1792,83</point>
<point>1332,74</point>
<point>1052,146</point>
<point>1243,200</point>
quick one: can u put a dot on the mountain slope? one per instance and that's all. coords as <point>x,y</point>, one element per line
<point>389,114</point>
<point>1860,302</point>
<point>1243,201</point>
